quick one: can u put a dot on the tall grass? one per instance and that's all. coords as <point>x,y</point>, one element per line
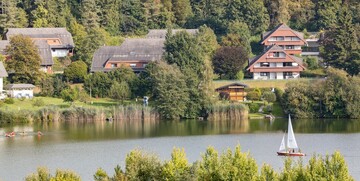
<point>130,113</point>
<point>228,111</point>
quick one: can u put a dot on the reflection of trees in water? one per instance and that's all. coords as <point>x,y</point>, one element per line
<point>325,125</point>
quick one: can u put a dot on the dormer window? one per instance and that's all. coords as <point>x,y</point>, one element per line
<point>276,54</point>
<point>113,65</point>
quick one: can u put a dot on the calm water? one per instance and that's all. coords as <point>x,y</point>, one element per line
<point>86,147</point>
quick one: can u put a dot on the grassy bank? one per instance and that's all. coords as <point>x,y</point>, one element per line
<point>260,83</point>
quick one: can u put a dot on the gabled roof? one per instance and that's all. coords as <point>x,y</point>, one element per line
<point>44,33</point>
<point>18,86</point>
<point>44,52</point>
<point>3,72</point>
<point>137,49</point>
<point>161,33</point>
<point>253,60</point>
<point>233,84</point>
<point>281,26</point>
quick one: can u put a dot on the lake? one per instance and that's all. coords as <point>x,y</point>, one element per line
<point>85,147</point>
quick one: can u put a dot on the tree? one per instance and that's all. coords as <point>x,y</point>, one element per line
<point>251,12</point>
<point>169,90</point>
<point>70,95</point>
<point>278,11</point>
<point>89,14</point>
<point>76,72</point>
<point>119,91</point>
<point>177,168</point>
<point>238,35</point>
<point>97,84</point>
<point>133,20</point>
<point>302,12</point>
<point>228,61</point>
<point>109,15</point>
<point>326,14</point>
<point>340,47</point>
<point>182,11</point>
<point>24,60</point>
<point>11,16</point>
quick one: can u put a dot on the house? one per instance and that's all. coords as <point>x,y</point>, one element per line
<point>312,48</point>
<point>3,74</point>
<point>20,90</point>
<point>51,42</point>
<point>283,36</point>
<point>233,92</point>
<point>133,52</point>
<point>275,63</point>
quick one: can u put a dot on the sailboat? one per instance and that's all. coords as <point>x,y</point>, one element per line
<point>288,146</point>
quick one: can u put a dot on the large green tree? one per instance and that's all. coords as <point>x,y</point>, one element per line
<point>251,12</point>
<point>326,14</point>
<point>340,47</point>
<point>169,91</point>
<point>76,72</point>
<point>133,20</point>
<point>89,14</point>
<point>11,16</point>
<point>228,61</point>
<point>24,60</point>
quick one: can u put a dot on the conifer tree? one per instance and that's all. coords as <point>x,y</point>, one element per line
<point>89,14</point>
<point>182,11</point>
<point>133,17</point>
<point>326,13</point>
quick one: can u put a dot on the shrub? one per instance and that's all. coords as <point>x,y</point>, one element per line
<point>253,95</point>
<point>269,96</point>
<point>38,102</point>
<point>254,108</point>
<point>9,100</point>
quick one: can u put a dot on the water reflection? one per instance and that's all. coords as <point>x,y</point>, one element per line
<point>103,130</point>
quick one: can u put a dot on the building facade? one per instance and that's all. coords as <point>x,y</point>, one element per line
<point>290,40</point>
<point>275,63</point>
<point>233,92</point>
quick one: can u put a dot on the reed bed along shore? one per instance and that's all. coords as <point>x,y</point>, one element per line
<point>228,111</point>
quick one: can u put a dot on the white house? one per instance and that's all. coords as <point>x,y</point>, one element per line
<point>20,90</point>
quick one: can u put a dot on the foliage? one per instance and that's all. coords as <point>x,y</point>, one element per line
<point>312,63</point>
<point>70,95</point>
<point>253,95</point>
<point>340,46</point>
<point>228,61</point>
<point>169,90</point>
<point>240,75</point>
<point>269,96</point>
<point>38,102</point>
<point>178,167</point>
<point>337,96</point>
<point>24,62</point>
<point>97,84</point>
<point>76,72</point>
<point>9,100</point>
<point>253,107</point>
<point>119,91</point>
<point>43,174</point>
<point>140,166</point>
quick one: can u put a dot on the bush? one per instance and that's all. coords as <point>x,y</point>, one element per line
<point>269,96</point>
<point>9,100</point>
<point>253,95</point>
<point>254,108</point>
<point>38,102</point>
<point>240,75</point>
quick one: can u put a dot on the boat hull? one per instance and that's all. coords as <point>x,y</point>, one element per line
<point>290,154</point>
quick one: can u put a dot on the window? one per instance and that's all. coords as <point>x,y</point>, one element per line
<point>289,47</point>
<point>276,54</point>
<point>280,38</point>
<point>287,64</point>
<point>113,65</point>
<point>264,73</point>
<point>294,38</point>
<point>288,73</point>
<point>264,64</point>
<point>133,65</point>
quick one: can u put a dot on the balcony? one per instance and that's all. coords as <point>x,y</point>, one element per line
<point>278,69</point>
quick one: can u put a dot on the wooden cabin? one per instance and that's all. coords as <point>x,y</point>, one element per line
<point>233,92</point>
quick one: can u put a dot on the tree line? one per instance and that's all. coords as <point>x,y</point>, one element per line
<point>229,165</point>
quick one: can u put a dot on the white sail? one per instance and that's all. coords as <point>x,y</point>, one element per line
<point>291,141</point>
<point>282,145</point>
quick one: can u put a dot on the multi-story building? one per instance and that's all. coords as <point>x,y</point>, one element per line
<point>275,63</point>
<point>283,36</point>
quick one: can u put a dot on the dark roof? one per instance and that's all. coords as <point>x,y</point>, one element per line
<point>44,52</point>
<point>39,33</point>
<point>3,72</point>
<point>137,49</point>
<point>161,33</point>
<point>3,44</point>
<point>18,86</point>
<point>233,84</point>
<point>283,27</point>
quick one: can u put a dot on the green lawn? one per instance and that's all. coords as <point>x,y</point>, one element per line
<point>28,104</point>
<point>260,83</point>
